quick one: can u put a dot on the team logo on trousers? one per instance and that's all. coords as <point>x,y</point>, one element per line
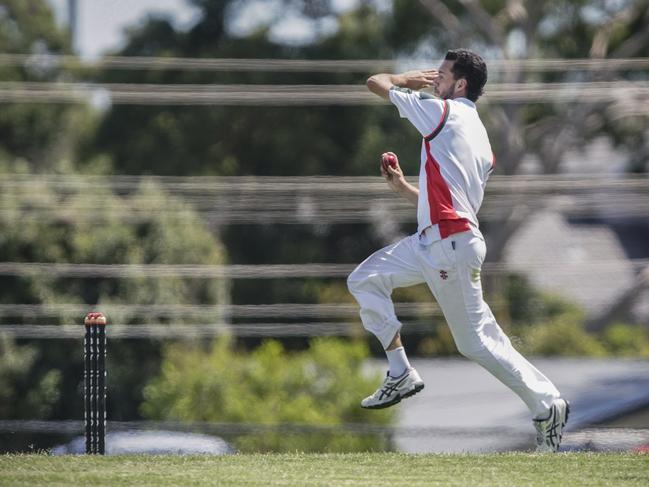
<point>443,275</point>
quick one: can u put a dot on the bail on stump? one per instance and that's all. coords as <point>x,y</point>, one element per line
<point>94,375</point>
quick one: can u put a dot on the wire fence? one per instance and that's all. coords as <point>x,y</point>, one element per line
<point>307,200</point>
<point>260,271</point>
<point>277,310</point>
<point>599,90</point>
<point>74,427</point>
<point>296,200</point>
<point>588,438</point>
<point>160,331</point>
<point>304,95</point>
<point>51,61</point>
<point>138,321</point>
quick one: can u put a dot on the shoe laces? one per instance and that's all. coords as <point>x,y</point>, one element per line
<point>390,385</point>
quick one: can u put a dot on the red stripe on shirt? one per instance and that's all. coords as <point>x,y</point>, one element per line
<point>442,120</point>
<point>440,200</point>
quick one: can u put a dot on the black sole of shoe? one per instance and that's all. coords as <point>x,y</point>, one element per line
<point>396,400</point>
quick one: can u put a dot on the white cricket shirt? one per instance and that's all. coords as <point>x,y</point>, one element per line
<point>456,161</point>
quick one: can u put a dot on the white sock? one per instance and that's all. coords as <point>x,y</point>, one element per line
<point>398,361</point>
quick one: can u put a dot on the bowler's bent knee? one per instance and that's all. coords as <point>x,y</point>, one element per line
<point>376,309</point>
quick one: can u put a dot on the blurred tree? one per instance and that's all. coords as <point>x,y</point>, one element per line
<point>165,231</point>
<point>219,139</point>
<point>247,140</point>
<point>36,135</point>
<point>622,339</point>
<point>537,318</point>
<point>21,396</point>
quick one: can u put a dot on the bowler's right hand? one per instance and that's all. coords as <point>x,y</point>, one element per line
<point>393,174</point>
<point>416,80</point>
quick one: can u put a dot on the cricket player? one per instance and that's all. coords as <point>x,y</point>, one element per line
<point>448,250</point>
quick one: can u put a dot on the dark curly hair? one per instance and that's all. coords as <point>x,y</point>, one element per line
<point>472,68</point>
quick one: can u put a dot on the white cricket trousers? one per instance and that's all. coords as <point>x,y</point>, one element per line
<point>451,268</point>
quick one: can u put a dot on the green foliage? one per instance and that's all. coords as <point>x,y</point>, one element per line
<point>287,140</point>
<point>163,230</point>
<point>27,26</point>
<point>146,226</point>
<point>537,319</point>
<point>563,335</point>
<point>526,305</point>
<point>319,386</point>
<point>625,340</point>
<point>25,391</point>
<point>544,324</point>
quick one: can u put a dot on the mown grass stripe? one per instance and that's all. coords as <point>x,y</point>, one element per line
<point>359,469</point>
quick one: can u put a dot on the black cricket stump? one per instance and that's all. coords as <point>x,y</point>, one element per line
<point>94,377</point>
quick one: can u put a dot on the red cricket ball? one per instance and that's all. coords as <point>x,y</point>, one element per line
<point>388,159</point>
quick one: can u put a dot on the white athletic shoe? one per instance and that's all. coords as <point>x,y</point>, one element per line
<point>394,389</point>
<point>550,430</point>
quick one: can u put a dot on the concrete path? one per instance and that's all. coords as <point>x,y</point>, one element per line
<point>463,408</point>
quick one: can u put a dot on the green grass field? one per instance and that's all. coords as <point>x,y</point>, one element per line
<point>359,469</point>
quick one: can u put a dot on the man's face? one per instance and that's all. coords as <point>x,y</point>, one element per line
<point>444,85</point>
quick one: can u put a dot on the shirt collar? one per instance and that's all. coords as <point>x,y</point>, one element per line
<point>466,101</point>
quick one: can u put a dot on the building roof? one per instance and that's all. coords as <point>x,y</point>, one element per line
<point>585,264</point>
